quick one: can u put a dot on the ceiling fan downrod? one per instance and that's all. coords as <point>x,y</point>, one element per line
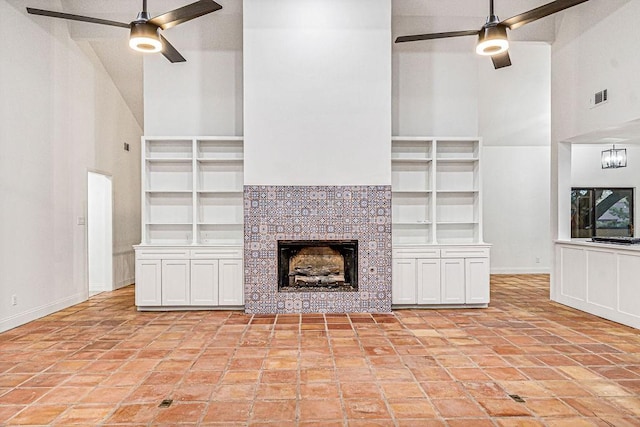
<point>144,15</point>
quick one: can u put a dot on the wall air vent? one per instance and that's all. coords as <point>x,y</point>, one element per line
<point>599,98</point>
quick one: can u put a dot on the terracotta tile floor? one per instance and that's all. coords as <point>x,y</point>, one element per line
<point>103,363</point>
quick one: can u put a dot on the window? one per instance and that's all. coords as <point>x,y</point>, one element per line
<point>602,212</point>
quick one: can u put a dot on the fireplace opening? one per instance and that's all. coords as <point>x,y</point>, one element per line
<point>317,265</point>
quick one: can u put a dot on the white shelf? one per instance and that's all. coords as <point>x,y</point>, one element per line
<point>456,191</point>
<point>219,160</point>
<point>220,208</point>
<point>435,186</point>
<point>223,234</point>
<point>193,191</point>
<point>169,234</point>
<point>456,222</point>
<point>168,148</point>
<point>168,191</point>
<point>411,191</point>
<point>412,234</point>
<point>221,192</point>
<point>168,176</point>
<point>169,208</point>
<point>457,149</point>
<point>417,222</point>
<point>169,160</point>
<point>457,233</point>
<point>226,148</point>
<point>220,176</point>
<point>411,150</point>
<point>457,160</point>
<point>411,160</point>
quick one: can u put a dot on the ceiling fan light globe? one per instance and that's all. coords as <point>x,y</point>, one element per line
<point>144,38</point>
<point>492,40</point>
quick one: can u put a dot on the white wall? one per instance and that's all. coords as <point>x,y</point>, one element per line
<point>317,92</point>
<point>514,120</point>
<point>442,93</point>
<point>596,49</point>
<point>435,93</point>
<point>202,96</point>
<point>60,115</point>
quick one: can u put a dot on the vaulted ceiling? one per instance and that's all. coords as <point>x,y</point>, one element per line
<point>222,30</point>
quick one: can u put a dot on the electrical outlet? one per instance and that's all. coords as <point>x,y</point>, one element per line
<point>537,260</point>
<point>14,300</point>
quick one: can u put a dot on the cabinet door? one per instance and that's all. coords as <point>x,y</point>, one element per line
<point>204,282</point>
<point>231,286</point>
<point>452,275</point>
<point>148,282</point>
<point>175,282</point>
<point>403,282</point>
<point>428,281</point>
<point>477,280</point>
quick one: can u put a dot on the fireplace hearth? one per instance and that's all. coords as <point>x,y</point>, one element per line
<point>317,265</point>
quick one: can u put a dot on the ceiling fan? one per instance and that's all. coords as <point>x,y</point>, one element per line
<point>144,30</point>
<point>492,37</point>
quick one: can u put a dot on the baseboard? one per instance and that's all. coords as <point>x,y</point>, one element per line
<point>124,282</point>
<point>521,270</point>
<point>38,312</point>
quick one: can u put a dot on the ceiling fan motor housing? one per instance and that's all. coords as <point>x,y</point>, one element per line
<point>144,37</point>
<point>492,39</point>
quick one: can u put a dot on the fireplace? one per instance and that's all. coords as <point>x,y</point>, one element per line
<point>317,265</point>
<point>348,225</point>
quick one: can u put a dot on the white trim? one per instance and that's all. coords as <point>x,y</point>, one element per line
<point>521,270</point>
<point>44,310</point>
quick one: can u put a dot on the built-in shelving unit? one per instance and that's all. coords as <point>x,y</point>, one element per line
<point>436,190</point>
<point>437,222</point>
<point>192,191</point>
<point>192,223</point>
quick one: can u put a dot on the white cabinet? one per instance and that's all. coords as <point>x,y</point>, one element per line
<point>175,282</point>
<point>439,256</point>
<point>441,275</point>
<point>192,222</point>
<point>477,280</point>
<point>148,282</point>
<point>217,282</point>
<point>599,278</point>
<point>429,283</point>
<point>204,282</point>
<point>452,276</point>
<point>207,277</point>
<point>403,281</point>
<point>231,289</point>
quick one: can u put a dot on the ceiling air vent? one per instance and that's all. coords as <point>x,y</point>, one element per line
<point>600,97</point>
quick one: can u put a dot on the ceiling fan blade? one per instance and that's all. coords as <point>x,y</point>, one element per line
<point>501,60</point>
<point>76,17</point>
<point>170,52</point>
<point>432,36</point>
<point>185,13</point>
<point>540,12</point>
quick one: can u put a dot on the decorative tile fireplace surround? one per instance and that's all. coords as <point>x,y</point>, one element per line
<point>326,213</point>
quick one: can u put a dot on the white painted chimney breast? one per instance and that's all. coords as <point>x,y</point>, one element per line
<point>317,92</point>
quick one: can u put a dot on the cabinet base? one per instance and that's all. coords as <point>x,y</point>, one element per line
<point>435,306</point>
<point>191,308</point>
